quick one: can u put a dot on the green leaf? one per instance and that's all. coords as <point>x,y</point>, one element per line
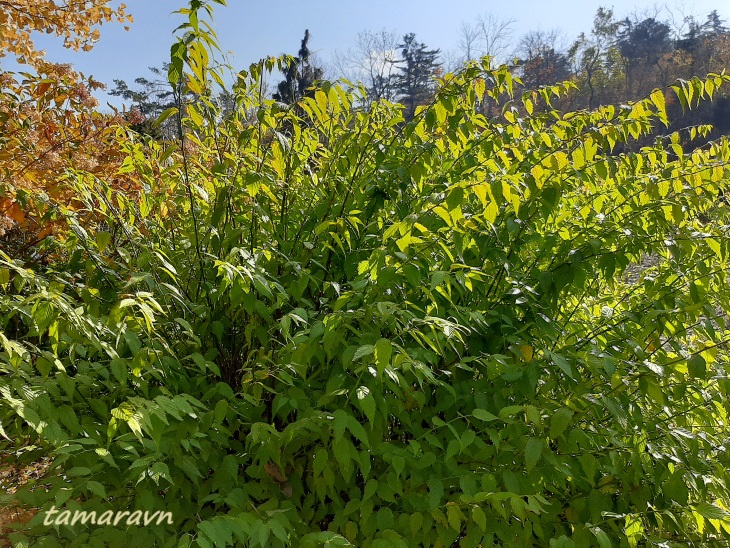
<point>562,363</point>
<point>484,415</point>
<point>697,367</point>
<point>562,542</point>
<point>367,404</point>
<point>167,113</point>
<point>120,370</point>
<point>710,511</point>
<point>533,450</point>
<point>102,240</point>
<point>357,430</point>
<point>477,514</point>
<point>78,471</point>
<point>383,350</point>
<point>435,492</point>
<point>364,350</point>
<point>559,422</point>
<point>96,488</point>
<point>491,212</point>
<point>510,410</point>
<point>371,488</point>
<point>320,461</point>
<point>603,540</point>
<point>415,522</point>
<point>453,514</point>
<point>714,245</point>
<point>444,214</point>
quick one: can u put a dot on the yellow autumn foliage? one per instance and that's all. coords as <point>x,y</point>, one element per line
<point>74,20</point>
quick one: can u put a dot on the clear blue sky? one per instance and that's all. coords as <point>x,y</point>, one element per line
<point>252,30</point>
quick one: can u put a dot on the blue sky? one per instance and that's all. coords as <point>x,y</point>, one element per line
<point>252,30</point>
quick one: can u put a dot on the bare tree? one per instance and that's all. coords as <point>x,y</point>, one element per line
<point>541,60</point>
<point>488,34</point>
<point>451,60</point>
<point>469,41</point>
<point>372,62</point>
<point>538,41</point>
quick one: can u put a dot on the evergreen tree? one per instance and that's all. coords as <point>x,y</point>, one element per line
<point>642,44</point>
<point>697,33</point>
<point>714,26</point>
<point>691,39</point>
<point>300,75</point>
<point>645,40</point>
<point>414,80</point>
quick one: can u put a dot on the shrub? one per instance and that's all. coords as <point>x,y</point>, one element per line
<point>324,325</point>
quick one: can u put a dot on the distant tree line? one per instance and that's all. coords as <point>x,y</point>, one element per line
<point>617,60</point>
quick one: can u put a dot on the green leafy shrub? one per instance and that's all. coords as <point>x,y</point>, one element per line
<point>324,325</point>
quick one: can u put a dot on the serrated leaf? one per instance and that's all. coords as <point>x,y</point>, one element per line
<point>562,363</point>
<point>370,488</point>
<point>710,511</point>
<point>357,430</point>
<point>367,403</point>
<point>491,211</point>
<point>633,529</point>
<point>320,461</point>
<point>364,350</point>
<point>435,492</point>
<point>510,410</point>
<point>714,245</point>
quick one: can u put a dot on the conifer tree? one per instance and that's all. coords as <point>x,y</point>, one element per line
<point>418,66</point>
<point>301,74</point>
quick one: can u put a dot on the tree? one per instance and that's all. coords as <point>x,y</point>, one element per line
<point>539,60</point>
<point>417,68</point>
<point>699,38</point>
<point>644,40</point>
<point>48,121</point>
<point>487,34</point>
<point>642,44</point>
<point>372,62</point>
<point>300,75</point>
<point>702,48</point>
<point>592,57</point>
<point>50,127</point>
<point>151,98</point>
<point>71,19</point>
<point>715,25</point>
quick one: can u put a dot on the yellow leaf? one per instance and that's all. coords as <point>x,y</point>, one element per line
<point>527,352</point>
<point>491,212</point>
